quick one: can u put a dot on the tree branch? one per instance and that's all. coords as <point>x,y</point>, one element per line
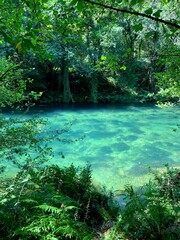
<point>134,13</point>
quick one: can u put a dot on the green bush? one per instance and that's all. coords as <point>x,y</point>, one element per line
<point>153,212</point>
<point>62,203</point>
<point>54,203</point>
<point>13,85</point>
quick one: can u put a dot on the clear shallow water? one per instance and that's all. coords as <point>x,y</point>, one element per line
<point>120,141</point>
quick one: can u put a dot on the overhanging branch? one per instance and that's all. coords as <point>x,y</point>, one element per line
<point>134,13</point>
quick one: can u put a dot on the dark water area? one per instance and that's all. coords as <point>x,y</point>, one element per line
<point>119,141</point>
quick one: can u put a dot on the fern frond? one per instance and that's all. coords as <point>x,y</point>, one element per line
<point>48,208</point>
<point>51,209</point>
<point>29,201</point>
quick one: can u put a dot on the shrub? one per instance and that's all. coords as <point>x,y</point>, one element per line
<point>54,203</point>
<point>153,212</point>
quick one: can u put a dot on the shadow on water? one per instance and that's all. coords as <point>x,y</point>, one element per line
<point>121,140</point>
<point>120,146</point>
<point>138,169</point>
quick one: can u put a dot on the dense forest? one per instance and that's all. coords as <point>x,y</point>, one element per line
<point>83,51</point>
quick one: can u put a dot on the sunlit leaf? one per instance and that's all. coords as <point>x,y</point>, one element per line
<point>18,46</point>
<point>123,68</point>
<point>103,58</point>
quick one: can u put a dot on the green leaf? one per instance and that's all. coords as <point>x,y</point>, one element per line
<point>18,46</point>
<point>71,207</point>
<point>138,27</point>
<point>149,11</point>
<point>74,2</point>
<point>80,5</point>
<point>148,35</point>
<point>103,58</point>
<point>27,44</point>
<point>7,38</point>
<point>123,68</point>
<point>134,2</point>
<point>157,13</point>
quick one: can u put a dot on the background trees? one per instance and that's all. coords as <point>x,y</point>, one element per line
<point>78,50</point>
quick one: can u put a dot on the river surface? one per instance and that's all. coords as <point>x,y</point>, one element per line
<point>119,142</point>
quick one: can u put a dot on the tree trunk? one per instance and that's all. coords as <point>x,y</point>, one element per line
<point>93,76</point>
<point>67,96</point>
<point>94,88</point>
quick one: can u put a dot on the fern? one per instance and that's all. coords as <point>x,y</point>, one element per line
<point>57,224</point>
<point>56,210</point>
<point>52,203</point>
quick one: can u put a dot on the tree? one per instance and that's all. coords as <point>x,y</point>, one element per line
<point>16,135</point>
<point>148,14</point>
<point>66,40</point>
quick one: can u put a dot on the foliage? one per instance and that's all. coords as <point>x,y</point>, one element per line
<point>71,48</point>
<point>153,212</point>
<point>54,203</point>
<point>13,84</point>
<point>168,81</point>
<point>62,203</point>
<point>169,184</point>
<point>18,135</point>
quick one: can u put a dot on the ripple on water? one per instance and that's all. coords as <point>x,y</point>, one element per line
<point>136,131</point>
<point>101,134</point>
<point>120,146</point>
<point>130,138</point>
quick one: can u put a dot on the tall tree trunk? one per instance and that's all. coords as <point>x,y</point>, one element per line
<point>93,76</point>
<point>94,88</point>
<point>67,96</point>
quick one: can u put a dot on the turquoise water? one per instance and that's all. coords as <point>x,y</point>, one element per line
<point>119,142</point>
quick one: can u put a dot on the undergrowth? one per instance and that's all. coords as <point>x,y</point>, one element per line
<point>54,203</point>
<point>153,213</point>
